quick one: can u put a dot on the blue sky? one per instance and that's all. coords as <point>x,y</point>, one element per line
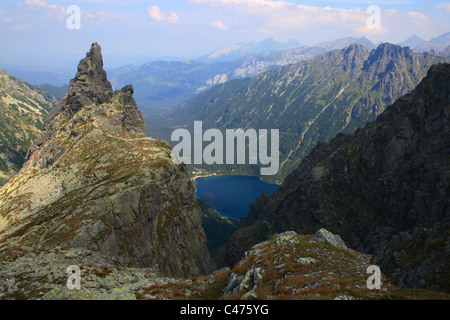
<point>34,32</point>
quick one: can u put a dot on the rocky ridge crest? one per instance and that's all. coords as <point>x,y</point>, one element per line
<point>93,180</point>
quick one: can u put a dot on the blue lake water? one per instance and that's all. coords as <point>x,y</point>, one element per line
<point>232,195</point>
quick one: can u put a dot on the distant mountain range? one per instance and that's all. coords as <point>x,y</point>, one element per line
<point>345,42</point>
<point>438,44</point>
<point>57,92</point>
<point>309,101</point>
<point>162,85</point>
<point>37,76</point>
<point>242,49</point>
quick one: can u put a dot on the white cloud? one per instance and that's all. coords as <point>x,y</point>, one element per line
<point>53,10</point>
<point>56,11</point>
<point>284,16</point>
<point>305,17</point>
<point>36,3</point>
<point>103,15</point>
<point>219,25</point>
<point>92,18</point>
<point>173,18</point>
<point>417,16</point>
<point>7,19</point>
<point>444,5</point>
<point>156,14</point>
<point>250,3</point>
<point>280,14</point>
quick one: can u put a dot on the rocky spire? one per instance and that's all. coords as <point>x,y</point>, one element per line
<point>115,113</point>
<point>89,86</point>
<point>118,192</point>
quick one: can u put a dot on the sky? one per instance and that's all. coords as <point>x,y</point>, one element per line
<point>46,33</point>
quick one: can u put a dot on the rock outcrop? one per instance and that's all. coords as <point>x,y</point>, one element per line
<point>326,236</point>
<point>93,180</point>
<point>383,189</point>
<point>90,85</point>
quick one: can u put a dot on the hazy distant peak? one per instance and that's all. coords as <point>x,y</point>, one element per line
<point>442,39</point>
<point>345,42</point>
<point>418,44</point>
<point>241,49</point>
<point>412,42</point>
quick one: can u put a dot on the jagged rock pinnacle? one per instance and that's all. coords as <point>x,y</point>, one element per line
<point>116,113</point>
<point>94,171</point>
<point>90,85</point>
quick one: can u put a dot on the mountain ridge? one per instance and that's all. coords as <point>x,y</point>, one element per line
<point>239,50</point>
<point>436,44</point>
<point>108,187</point>
<point>309,101</point>
<point>383,189</point>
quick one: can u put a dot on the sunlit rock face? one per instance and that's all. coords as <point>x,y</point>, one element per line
<point>93,180</point>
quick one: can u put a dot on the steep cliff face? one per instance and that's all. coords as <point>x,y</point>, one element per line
<point>93,180</point>
<point>384,189</point>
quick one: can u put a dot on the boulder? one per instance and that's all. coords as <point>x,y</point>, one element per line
<point>326,236</point>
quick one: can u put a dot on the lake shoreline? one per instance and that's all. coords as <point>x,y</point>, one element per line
<point>203,176</point>
<point>229,174</point>
<point>231,195</point>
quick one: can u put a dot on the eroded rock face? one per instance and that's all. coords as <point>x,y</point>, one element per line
<point>89,86</point>
<point>94,180</point>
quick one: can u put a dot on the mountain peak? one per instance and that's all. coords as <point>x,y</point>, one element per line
<point>355,46</point>
<point>415,37</point>
<point>413,42</point>
<point>442,39</point>
<point>95,160</point>
<point>90,85</point>
<point>115,113</point>
<point>392,50</point>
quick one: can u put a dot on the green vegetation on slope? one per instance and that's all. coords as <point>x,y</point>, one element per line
<point>308,102</point>
<point>23,109</point>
